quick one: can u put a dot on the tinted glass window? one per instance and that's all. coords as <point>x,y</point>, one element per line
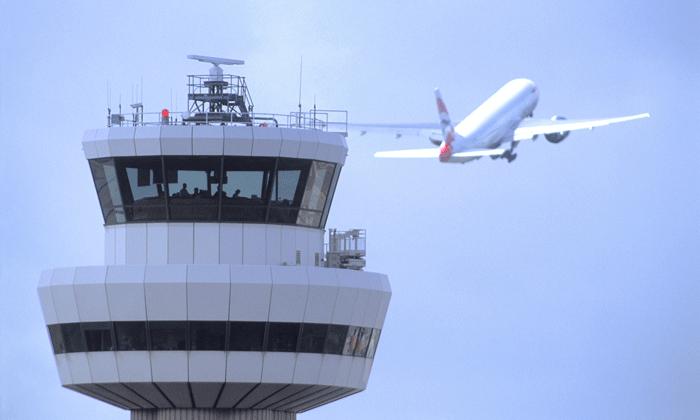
<point>318,185</point>
<point>363,342</point>
<point>309,218</point>
<point>130,335</point>
<point>247,336</point>
<point>331,192</point>
<point>193,183</point>
<point>73,338</point>
<point>336,339</point>
<point>313,338</point>
<point>287,190</point>
<point>246,188</point>
<point>211,335</point>
<point>214,188</point>
<point>372,348</point>
<point>207,335</point>
<point>56,339</point>
<point>104,174</point>
<point>142,188</point>
<point>351,341</point>
<point>98,336</point>
<point>168,335</point>
<point>282,336</point>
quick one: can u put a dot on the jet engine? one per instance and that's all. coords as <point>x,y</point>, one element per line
<point>556,137</point>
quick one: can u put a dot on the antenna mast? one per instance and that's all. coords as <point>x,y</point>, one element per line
<point>301,67</point>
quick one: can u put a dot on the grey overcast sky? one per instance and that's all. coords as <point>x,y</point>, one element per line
<point>561,286</point>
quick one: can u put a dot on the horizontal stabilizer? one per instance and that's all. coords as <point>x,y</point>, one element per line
<point>415,153</point>
<point>434,153</point>
<point>479,152</point>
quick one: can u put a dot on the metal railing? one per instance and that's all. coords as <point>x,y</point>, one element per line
<point>323,120</point>
<point>346,249</point>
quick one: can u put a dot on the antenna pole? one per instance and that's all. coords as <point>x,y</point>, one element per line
<point>301,66</point>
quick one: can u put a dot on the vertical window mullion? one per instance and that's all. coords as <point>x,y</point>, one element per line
<point>167,193</point>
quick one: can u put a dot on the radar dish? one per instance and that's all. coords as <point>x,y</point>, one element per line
<point>215,60</point>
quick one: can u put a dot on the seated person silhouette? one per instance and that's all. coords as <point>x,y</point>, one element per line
<point>219,192</point>
<point>183,191</point>
<point>235,195</point>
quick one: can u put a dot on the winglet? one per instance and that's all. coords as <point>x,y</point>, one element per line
<point>448,130</point>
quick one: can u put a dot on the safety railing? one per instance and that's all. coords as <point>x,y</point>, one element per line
<point>323,120</point>
<point>346,249</point>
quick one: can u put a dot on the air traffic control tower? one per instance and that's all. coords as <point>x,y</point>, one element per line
<point>218,298</point>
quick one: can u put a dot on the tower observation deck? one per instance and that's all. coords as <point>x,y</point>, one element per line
<point>216,299</point>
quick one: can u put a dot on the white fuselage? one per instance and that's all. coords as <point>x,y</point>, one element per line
<point>494,122</point>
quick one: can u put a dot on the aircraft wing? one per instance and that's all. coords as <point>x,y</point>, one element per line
<point>415,126</point>
<point>435,152</point>
<point>397,130</point>
<point>530,127</point>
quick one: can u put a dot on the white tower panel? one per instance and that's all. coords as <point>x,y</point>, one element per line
<point>231,244</point>
<point>103,366</point>
<point>323,291</point>
<point>91,293</point>
<point>125,292</point>
<point>45,297</point>
<point>176,140</point>
<point>134,366</point>
<point>207,140</point>
<point>180,243</point>
<point>251,288</point>
<point>169,366</point>
<point>238,141</point>
<point>89,147</point>
<point>307,368</point>
<point>111,244</point>
<point>208,289</point>
<point>290,143</point>
<point>121,141</point>
<point>79,368</point>
<point>207,366</point>
<point>63,369</point>
<point>254,244</point>
<point>101,143</point>
<point>64,295</point>
<point>206,243</point>
<point>136,244</point>
<point>267,141</point>
<point>157,235</point>
<point>273,244</point>
<point>147,140</point>
<point>278,368</point>
<point>309,144</point>
<point>120,245</point>
<point>290,287</point>
<point>166,292</point>
<point>347,297</point>
<point>244,367</point>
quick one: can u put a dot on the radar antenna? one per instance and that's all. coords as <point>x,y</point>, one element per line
<point>218,97</point>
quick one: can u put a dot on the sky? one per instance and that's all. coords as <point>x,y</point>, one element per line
<point>561,286</point>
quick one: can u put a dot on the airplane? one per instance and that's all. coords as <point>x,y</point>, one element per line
<point>502,119</point>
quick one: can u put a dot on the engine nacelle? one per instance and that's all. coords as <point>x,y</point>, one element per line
<point>556,137</point>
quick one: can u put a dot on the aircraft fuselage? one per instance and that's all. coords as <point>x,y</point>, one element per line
<point>493,122</point>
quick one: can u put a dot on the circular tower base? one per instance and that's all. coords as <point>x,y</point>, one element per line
<point>210,414</point>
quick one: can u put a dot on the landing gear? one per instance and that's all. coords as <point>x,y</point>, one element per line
<point>509,155</point>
